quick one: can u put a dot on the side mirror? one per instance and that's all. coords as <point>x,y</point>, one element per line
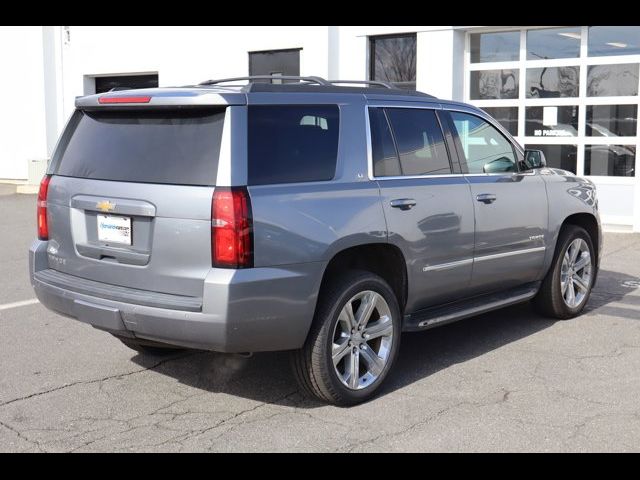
<point>534,159</point>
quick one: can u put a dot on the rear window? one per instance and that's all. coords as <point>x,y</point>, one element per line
<point>292,143</point>
<point>148,146</point>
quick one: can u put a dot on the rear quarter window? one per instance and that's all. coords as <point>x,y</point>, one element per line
<point>292,143</point>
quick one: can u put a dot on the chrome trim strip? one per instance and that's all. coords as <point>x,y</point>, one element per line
<point>509,254</point>
<point>446,266</point>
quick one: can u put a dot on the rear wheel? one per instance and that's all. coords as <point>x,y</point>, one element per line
<point>147,347</point>
<point>353,341</point>
<point>567,287</point>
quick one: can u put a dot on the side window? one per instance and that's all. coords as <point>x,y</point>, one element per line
<point>419,141</point>
<point>385,157</point>
<point>485,149</point>
<point>292,143</point>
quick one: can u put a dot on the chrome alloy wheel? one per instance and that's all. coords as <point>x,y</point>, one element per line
<point>575,273</point>
<point>362,340</point>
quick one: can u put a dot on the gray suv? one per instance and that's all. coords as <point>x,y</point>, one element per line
<point>325,218</point>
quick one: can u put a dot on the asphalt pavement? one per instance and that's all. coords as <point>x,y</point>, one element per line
<point>505,381</point>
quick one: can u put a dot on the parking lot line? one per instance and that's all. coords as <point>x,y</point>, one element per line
<point>22,303</point>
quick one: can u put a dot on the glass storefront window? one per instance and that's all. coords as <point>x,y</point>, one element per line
<point>553,43</point>
<point>495,47</point>
<point>494,84</point>
<point>506,116</point>
<point>614,40</point>
<point>559,156</point>
<point>561,121</point>
<point>612,80</point>
<point>610,160</point>
<point>611,120</point>
<point>553,82</point>
<point>393,59</point>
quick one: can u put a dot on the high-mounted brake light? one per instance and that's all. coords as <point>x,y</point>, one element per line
<point>138,99</point>
<point>43,226</point>
<point>231,228</point>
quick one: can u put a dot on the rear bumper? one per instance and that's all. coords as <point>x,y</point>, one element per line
<point>251,310</point>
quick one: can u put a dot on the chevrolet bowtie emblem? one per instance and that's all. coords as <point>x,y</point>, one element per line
<point>105,206</point>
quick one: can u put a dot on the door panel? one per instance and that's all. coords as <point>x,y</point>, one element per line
<point>511,211</point>
<point>436,236</point>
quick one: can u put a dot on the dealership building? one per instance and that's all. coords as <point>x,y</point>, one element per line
<point>571,91</point>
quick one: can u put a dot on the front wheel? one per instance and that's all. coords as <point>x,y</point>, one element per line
<point>566,288</point>
<point>353,341</point>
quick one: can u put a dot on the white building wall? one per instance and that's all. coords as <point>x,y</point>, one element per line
<point>22,123</point>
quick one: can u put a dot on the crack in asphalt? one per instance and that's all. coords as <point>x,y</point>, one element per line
<point>98,380</point>
<point>35,443</point>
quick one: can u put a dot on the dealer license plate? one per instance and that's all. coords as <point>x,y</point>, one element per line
<point>114,229</point>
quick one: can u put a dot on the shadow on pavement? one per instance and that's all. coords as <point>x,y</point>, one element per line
<point>266,377</point>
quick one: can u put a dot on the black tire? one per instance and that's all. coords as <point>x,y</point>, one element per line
<point>549,300</point>
<point>313,365</point>
<point>147,347</point>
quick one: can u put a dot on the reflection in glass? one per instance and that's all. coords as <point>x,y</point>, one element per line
<point>553,43</point>
<point>553,82</point>
<point>494,84</point>
<point>610,160</point>
<point>612,120</point>
<point>552,121</point>
<point>558,156</point>
<point>506,116</point>
<point>393,59</point>
<point>495,47</point>
<point>614,40</point>
<point>612,80</point>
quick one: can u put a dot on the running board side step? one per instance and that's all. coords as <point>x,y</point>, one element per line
<point>451,312</point>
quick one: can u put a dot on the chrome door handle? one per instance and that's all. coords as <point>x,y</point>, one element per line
<point>403,203</point>
<point>486,198</point>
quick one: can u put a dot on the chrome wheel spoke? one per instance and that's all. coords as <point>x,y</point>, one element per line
<point>339,351</point>
<point>564,285</point>
<point>381,328</point>
<point>570,296</point>
<point>573,252</point>
<point>354,369</point>
<point>346,316</point>
<point>583,262</point>
<point>374,363</point>
<point>580,283</point>
<point>367,306</point>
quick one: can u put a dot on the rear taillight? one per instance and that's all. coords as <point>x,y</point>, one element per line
<point>231,228</point>
<point>43,227</point>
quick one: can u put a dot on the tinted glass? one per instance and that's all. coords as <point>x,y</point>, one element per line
<point>490,84</point>
<point>142,146</point>
<point>614,40</point>
<point>553,43</point>
<point>486,150</point>
<point>553,121</point>
<point>393,59</point>
<point>558,156</point>
<point>274,63</point>
<point>420,141</point>
<point>292,143</point>
<point>506,116</point>
<point>610,160</point>
<point>385,157</point>
<point>553,82</point>
<point>612,80</point>
<point>495,47</point>
<point>612,120</point>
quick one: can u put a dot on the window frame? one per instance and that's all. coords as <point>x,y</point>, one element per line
<point>456,169</point>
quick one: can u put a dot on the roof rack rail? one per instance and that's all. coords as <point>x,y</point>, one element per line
<point>311,79</point>
<point>366,82</point>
